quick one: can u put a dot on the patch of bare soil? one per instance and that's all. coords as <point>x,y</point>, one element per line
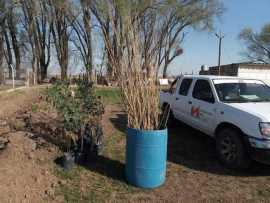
<point>113,118</point>
<point>25,172</point>
<point>11,102</point>
<point>26,160</point>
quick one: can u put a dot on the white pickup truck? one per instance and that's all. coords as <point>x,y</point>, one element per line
<point>234,111</point>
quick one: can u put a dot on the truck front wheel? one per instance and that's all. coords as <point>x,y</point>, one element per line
<point>231,149</point>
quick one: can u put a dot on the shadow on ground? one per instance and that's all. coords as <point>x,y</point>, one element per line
<point>107,167</point>
<point>196,151</point>
<point>119,122</point>
<point>113,169</point>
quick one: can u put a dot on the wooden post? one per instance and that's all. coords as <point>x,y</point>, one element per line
<point>28,78</point>
<point>13,75</point>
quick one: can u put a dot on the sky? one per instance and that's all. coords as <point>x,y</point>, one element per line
<point>201,48</point>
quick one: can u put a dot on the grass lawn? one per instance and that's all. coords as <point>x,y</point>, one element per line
<point>109,95</point>
<point>193,171</point>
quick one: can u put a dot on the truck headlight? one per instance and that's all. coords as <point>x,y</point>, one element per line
<point>265,129</point>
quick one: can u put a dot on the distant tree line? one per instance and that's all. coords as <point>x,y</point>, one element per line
<point>42,30</point>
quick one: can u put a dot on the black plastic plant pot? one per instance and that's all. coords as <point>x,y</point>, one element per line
<point>68,161</point>
<point>97,149</point>
<point>91,156</point>
<point>80,157</point>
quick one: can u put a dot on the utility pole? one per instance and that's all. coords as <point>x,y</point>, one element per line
<point>220,36</point>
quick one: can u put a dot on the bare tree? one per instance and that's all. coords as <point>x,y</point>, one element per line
<point>109,24</point>
<point>59,14</point>
<point>162,27</point>
<point>82,38</point>
<point>28,21</point>
<point>13,32</point>
<point>9,30</point>
<point>144,34</point>
<point>164,24</point>
<point>38,27</point>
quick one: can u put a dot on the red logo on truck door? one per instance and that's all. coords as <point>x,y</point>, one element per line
<point>195,111</point>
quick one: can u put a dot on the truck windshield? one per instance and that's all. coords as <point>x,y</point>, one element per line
<point>243,92</point>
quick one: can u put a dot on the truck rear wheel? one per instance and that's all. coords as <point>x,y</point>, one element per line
<point>231,149</point>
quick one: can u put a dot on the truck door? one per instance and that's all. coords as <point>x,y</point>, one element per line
<point>202,107</point>
<point>180,103</point>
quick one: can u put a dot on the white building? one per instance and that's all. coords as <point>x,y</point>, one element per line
<point>246,70</point>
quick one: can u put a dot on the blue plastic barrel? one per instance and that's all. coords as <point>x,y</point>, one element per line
<point>146,156</point>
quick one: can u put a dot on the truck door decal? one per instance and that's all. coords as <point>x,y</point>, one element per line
<point>195,111</point>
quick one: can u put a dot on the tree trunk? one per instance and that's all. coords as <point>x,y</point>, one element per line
<point>43,72</point>
<point>61,38</point>
<point>88,37</point>
<point>1,51</point>
<point>17,55</point>
<point>15,44</point>
<point>64,67</point>
<point>165,70</point>
<point>33,63</point>
<point>1,59</point>
<point>43,66</point>
<point>8,55</point>
<point>64,55</point>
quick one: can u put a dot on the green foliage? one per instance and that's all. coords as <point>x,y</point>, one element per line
<point>199,14</point>
<point>90,102</point>
<point>257,44</point>
<point>110,95</point>
<point>77,106</point>
<point>34,108</point>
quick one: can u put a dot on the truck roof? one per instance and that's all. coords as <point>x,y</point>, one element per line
<point>212,77</point>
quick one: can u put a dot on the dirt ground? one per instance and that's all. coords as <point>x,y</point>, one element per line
<point>194,173</point>
<point>25,169</point>
<point>25,172</point>
<point>28,172</point>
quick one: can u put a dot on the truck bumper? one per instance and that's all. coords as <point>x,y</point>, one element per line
<point>260,155</point>
<point>259,149</point>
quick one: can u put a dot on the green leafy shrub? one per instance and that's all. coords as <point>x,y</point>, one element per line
<point>77,105</point>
